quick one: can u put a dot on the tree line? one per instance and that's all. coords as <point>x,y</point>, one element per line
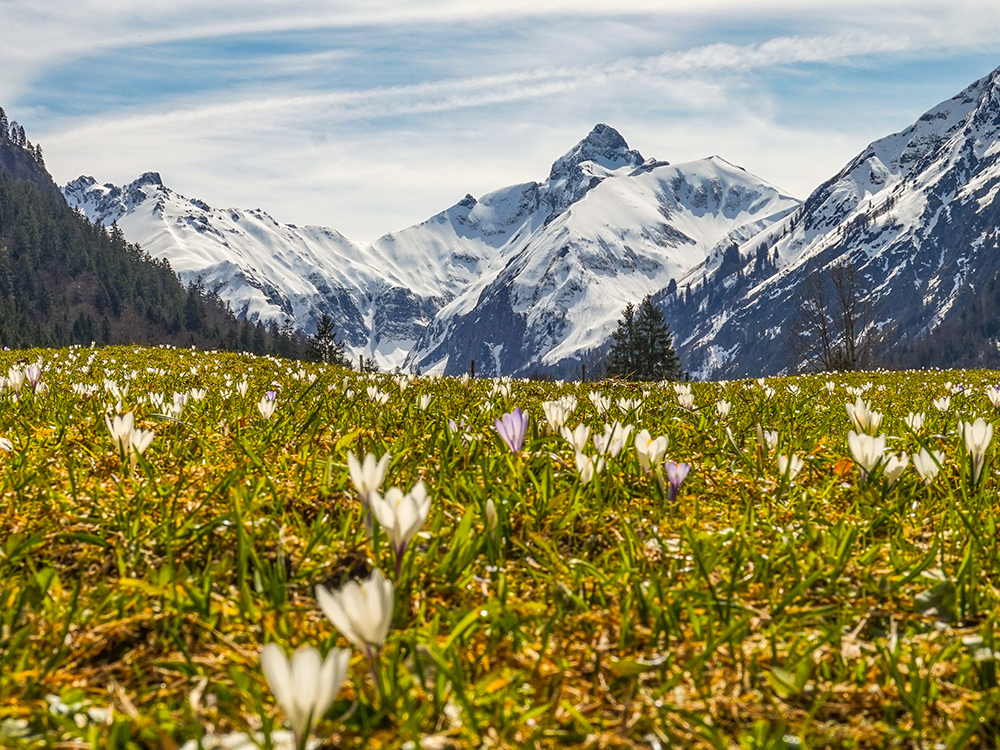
<point>64,280</point>
<point>13,133</point>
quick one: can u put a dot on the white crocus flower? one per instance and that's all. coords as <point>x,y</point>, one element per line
<point>556,413</point>
<point>305,685</point>
<point>501,389</point>
<point>767,440</point>
<point>6,445</point>
<point>265,406</point>
<point>361,612</point>
<point>242,387</point>
<point>771,438</point>
<point>121,429</point>
<point>993,394</point>
<point>424,401</point>
<point>15,379</point>
<point>915,421</point>
<point>977,436</point>
<point>569,402</point>
<point>368,476</point>
<point>722,408</point>
<point>792,465</point>
<point>613,440</point>
<point>401,516</point>
<point>862,416</point>
<point>587,466</point>
<point>601,403</point>
<point>686,401</point>
<point>868,451</point>
<point>894,467</point>
<point>928,464</point>
<point>379,398</point>
<point>139,442</point>
<point>577,438</point>
<point>649,449</point>
<point>942,404</point>
<point>629,404</point>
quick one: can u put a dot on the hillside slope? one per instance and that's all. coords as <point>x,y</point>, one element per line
<point>64,280</point>
<point>916,214</point>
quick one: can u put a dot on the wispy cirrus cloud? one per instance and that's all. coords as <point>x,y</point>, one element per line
<point>479,91</point>
<point>371,116</point>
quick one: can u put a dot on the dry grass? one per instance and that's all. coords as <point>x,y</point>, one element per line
<point>754,612</point>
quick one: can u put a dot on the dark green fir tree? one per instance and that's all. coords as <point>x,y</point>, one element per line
<point>642,347</point>
<point>323,345</point>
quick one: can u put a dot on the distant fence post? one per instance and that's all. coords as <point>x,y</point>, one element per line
<point>361,363</point>
<point>583,373</point>
<point>472,368</point>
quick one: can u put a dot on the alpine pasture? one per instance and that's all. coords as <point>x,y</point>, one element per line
<point>214,550</point>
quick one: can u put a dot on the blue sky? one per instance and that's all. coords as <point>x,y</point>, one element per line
<point>368,117</point>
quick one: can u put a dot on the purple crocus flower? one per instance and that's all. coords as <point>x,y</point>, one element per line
<point>34,375</point>
<point>271,395</point>
<point>512,429</point>
<point>676,473</point>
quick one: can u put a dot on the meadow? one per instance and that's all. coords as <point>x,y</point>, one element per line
<point>824,575</point>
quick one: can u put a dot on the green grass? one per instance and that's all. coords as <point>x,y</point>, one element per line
<point>755,612</point>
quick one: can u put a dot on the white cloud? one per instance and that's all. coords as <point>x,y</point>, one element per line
<point>377,156</point>
<point>456,93</point>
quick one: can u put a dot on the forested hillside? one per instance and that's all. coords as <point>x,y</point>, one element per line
<point>66,281</point>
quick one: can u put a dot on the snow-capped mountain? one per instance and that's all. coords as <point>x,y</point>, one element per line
<point>916,213</point>
<point>529,277</point>
<point>265,270</point>
<point>558,287</point>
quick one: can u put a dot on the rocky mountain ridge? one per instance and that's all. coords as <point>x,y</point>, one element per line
<point>915,213</point>
<point>531,278</point>
<point>538,270</point>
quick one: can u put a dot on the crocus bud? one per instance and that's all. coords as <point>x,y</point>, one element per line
<point>491,516</point>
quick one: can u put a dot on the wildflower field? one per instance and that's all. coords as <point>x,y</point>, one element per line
<point>787,563</point>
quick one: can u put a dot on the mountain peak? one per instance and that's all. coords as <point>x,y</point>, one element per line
<point>147,178</point>
<point>603,145</point>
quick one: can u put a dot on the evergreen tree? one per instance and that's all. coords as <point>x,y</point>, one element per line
<point>286,344</point>
<point>194,307</point>
<point>323,346</point>
<point>656,358</point>
<point>246,336</point>
<point>259,339</point>
<point>642,347</point>
<point>621,358</point>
